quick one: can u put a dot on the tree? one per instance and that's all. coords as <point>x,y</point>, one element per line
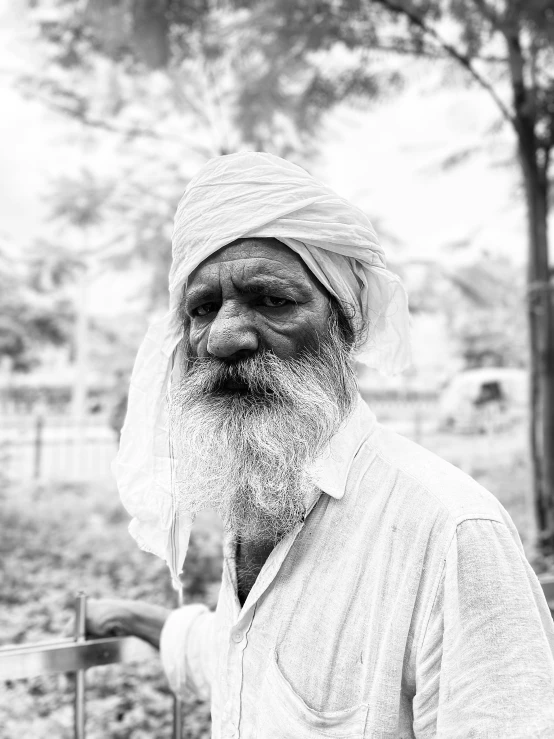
<point>31,316</point>
<point>168,82</point>
<point>294,59</point>
<point>143,69</point>
<point>480,300</point>
<point>524,32</point>
<point>506,47</point>
<point>79,205</point>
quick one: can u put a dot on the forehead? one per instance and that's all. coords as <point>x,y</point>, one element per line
<point>254,257</point>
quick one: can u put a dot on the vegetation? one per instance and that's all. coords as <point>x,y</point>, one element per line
<point>31,316</point>
<point>481,302</point>
<point>50,552</point>
<point>506,47</point>
<point>263,74</point>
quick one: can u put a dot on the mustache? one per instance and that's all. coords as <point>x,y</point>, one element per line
<point>260,375</point>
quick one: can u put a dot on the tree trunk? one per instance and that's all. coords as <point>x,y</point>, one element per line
<point>541,337</point>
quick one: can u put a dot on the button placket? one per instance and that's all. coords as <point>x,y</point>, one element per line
<point>234,681</point>
<point>236,646</point>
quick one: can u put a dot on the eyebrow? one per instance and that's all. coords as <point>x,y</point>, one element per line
<point>256,285</point>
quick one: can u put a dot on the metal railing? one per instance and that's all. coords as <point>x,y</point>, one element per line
<point>76,654</point>
<point>56,447</point>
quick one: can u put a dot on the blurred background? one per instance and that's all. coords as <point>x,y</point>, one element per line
<point>415,111</point>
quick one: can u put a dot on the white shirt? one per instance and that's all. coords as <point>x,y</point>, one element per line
<point>402,607</point>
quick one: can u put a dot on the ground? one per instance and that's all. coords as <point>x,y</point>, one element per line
<point>55,541</point>
<point>58,539</point>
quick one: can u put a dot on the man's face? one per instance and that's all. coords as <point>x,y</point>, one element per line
<point>251,296</point>
<point>267,381</point>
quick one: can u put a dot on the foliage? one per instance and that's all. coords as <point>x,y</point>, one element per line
<point>492,332</point>
<point>229,75</point>
<point>145,202</point>
<point>30,316</point>
<point>98,224</point>
<point>507,48</point>
<point>504,47</point>
<point>170,82</point>
<point>262,75</point>
<point>55,541</point>
<point>38,297</point>
<point>79,201</point>
<point>482,301</point>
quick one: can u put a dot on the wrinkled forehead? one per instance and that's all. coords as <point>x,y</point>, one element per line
<point>255,258</point>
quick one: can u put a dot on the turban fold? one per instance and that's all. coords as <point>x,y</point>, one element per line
<point>239,196</point>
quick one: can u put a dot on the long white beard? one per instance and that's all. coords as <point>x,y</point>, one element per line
<point>247,454</point>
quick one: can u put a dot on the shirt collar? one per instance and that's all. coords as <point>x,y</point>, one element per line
<point>330,470</point>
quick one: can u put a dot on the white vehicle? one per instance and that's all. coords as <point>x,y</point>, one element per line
<point>484,399</point>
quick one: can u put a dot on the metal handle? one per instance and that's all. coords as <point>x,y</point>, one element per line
<point>63,655</point>
<point>177,702</point>
<point>80,636</point>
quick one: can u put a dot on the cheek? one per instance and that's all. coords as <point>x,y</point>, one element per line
<point>314,326</point>
<point>291,340</point>
<point>311,337</point>
<point>190,344</point>
<point>282,344</point>
<point>197,338</point>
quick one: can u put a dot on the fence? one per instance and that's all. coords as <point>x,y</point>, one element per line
<point>55,447</point>
<point>416,416</point>
<point>48,446</point>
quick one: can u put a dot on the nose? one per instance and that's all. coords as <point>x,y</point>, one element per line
<point>232,335</point>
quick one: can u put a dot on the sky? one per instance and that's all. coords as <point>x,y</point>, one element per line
<point>387,159</point>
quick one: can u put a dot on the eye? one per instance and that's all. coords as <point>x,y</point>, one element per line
<point>204,310</point>
<point>270,301</point>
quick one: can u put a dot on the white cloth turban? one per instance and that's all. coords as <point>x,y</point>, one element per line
<point>237,196</point>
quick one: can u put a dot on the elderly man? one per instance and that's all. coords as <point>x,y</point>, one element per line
<point>369,588</point>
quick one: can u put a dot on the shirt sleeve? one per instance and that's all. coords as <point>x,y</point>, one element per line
<point>485,667</point>
<point>187,649</point>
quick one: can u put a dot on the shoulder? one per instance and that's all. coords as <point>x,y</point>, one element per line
<point>414,472</point>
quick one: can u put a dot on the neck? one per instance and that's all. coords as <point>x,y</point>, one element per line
<point>250,558</point>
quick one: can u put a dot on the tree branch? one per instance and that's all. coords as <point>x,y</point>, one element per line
<point>104,125</point>
<point>463,59</point>
<point>429,54</point>
<point>91,122</point>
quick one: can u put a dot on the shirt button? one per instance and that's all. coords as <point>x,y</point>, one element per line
<point>237,637</point>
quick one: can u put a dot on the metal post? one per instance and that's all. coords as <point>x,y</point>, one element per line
<point>177,702</point>
<point>80,636</point>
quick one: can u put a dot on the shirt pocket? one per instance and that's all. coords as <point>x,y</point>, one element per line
<point>283,714</point>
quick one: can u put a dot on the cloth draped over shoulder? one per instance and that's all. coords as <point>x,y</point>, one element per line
<point>239,196</point>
